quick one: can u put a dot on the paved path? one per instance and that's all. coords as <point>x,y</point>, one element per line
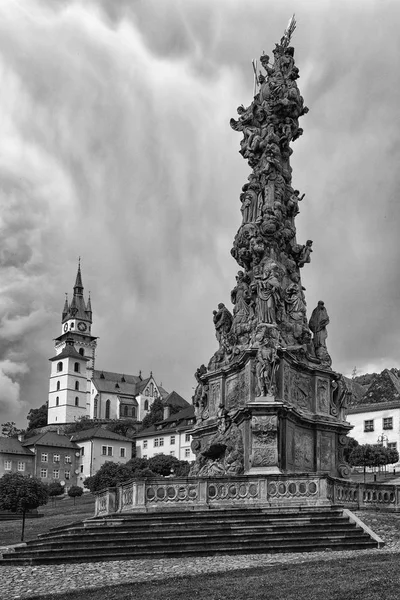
<point>25,582</point>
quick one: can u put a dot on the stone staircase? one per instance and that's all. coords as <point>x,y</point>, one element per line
<point>195,533</point>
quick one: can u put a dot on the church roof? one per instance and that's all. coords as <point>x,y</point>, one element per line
<point>121,384</point>
<point>174,399</point>
<point>78,308</point>
<point>98,433</point>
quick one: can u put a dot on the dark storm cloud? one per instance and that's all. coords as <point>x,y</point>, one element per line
<point>115,145</point>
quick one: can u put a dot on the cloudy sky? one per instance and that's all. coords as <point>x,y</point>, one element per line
<point>115,146</point>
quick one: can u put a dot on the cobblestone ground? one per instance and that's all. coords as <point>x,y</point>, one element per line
<point>24,582</point>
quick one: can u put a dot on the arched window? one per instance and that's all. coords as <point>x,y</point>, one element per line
<point>81,352</point>
<point>108,405</point>
<point>77,385</point>
<point>95,408</point>
<point>57,401</point>
<point>133,412</point>
<point>147,392</point>
<point>59,366</point>
<point>58,385</point>
<point>126,411</point>
<point>77,401</point>
<point>146,405</point>
<point>77,367</point>
<point>151,389</point>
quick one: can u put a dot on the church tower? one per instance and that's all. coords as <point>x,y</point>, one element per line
<point>72,366</point>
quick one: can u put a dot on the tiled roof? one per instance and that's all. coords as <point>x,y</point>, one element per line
<point>174,399</point>
<point>69,351</point>
<point>13,446</point>
<point>50,438</point>
<point>119,383</point>
<point>384,388</point>
<point>176,422</point>
<point>98,433</point>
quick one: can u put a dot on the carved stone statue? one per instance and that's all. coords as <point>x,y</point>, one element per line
<point>267,359</point>
<point>318,322</point>
<point>268,290</point>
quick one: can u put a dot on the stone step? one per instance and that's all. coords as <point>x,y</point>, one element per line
<point>123,554</point>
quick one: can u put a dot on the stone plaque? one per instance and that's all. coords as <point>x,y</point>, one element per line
<point>323,396</point>
<point>237,390</point>
<point>264,441</point>
<point>214,398</point>
<point>304,450</point>
<point>297,389</point>
<point>326,453</point>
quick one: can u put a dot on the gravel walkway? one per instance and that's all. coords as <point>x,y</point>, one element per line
<point>25,582</point>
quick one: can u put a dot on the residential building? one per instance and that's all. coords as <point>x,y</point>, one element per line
<point>14,458</point>
<point>56,458</point>
<point>97,446</point>
<point>375,413</point>
<point>76,388</point>
<point>170,436</point>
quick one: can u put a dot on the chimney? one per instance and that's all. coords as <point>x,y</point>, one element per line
<point>167,411</point>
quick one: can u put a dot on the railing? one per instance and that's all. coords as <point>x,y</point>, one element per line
<point>155,494</point>
<point>383,496</point>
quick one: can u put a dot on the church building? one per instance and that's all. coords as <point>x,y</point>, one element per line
<point>76,388</point>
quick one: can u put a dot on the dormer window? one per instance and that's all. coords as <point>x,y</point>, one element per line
<point>102,375</point>
<point>117,386</point>
<point>123,379</point>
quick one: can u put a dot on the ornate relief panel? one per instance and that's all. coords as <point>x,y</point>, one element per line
<point>264,441</point>
<point>323,396</point>
<point>237,389</point>
<point>326,451</point>
<point>214,398</point>
<point>304,450</point>
<point>297,389</point>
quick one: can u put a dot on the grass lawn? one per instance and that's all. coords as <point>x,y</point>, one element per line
<point>62,513</point>
<point>363,577</point>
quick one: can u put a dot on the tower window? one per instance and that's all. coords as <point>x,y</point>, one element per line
<point>108,405</point>
<point>77,385</point>
<point>77,368</point>
<point>77,401</point>
<point>95,409</point>
<point>59,366</point>
<point>57,401</point>
<point>81,352</point>
<point>58,385</point>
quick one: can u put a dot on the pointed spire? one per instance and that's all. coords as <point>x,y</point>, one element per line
<point>78,287</point>
<point>65,309</point>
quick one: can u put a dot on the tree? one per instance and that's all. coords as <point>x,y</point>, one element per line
<point>351,444</point>
<point>155,414</point>
<point>165,465</point>
<point>19,493</point>
<point>75,491</point>
<point>55,489</point>
<point>372,455</point>
<point>125,427</point>
<point>9,429</point>
<point>37,417</point>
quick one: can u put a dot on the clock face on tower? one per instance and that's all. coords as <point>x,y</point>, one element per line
<point>82,326</point>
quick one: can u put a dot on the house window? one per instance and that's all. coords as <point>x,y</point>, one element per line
<point>81,352</point>
<point>161,441</point>
<point>59,367</point>
<point>76,401</point>
<point>144,444</point>
<point>107,450</point>
<point>392,445</point>
<point>187,452</point>
<point>172,440</point>
<point>388,423</point>
<point>58,385</point>
<point>369,425</point>
<point>67,459</point>
<point>187,437</point>
<point>21,466</point>
<point>190,421</point>
<point>67,474</point>
<point>77,386</point>
<point>56,458</point>
<point>95,408</point>
<point>57,401</point>
<point>77,367</point>
<point>122,452</point>
<point>56,474</point>
<point>146,405</point>
<point>108,405</point>
<point>43,473</point>
<point>7,465</point>
<point>81,468</point>
<point>45,457</point>
<point>156,442</point>
<point>147,393</point>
